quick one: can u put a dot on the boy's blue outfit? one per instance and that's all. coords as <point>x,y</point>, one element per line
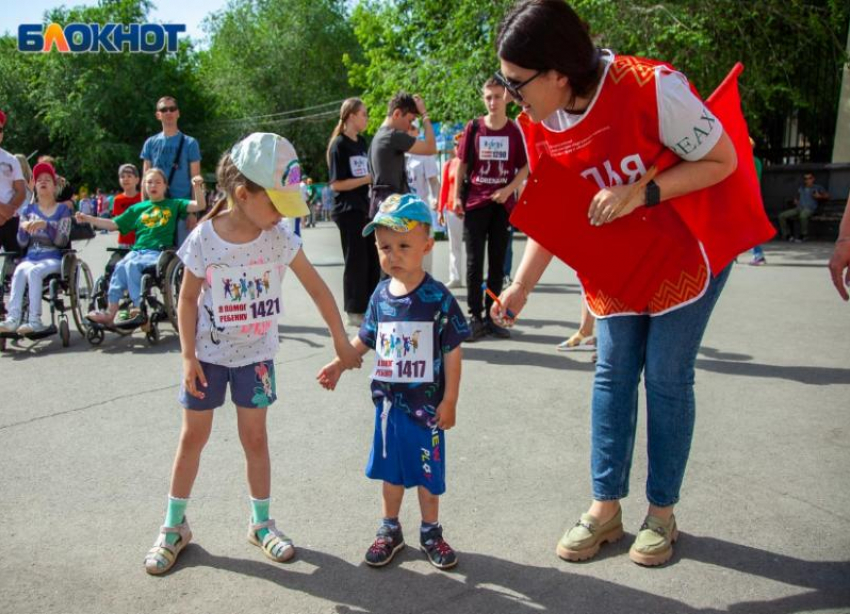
<point>410,335</point>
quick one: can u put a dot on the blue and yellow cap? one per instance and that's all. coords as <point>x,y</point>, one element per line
<point>400,212</point>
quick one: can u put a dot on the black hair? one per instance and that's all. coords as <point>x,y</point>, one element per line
<point>404,102</point>
<point>549,35</point>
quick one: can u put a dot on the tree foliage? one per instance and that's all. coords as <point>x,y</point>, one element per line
<point>443,51</point>
<point>279,65</point>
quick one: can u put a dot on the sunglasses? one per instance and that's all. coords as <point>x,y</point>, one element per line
<point>513,87</point>
<point>167,109</point>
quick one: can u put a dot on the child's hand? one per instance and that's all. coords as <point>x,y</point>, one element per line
<point>330,374</point>
<point>445,415</point>
<point>80,217</point>
<point>193,372</point>
<point>197,181</point>
<point>348,355</point>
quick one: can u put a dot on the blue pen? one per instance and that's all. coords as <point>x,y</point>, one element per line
<point>495,298</point>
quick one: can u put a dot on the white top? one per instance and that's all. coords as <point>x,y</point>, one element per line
<point>240,299</point>
<point>681,115</point>
<point>10,171</point>
<point>420,170</point>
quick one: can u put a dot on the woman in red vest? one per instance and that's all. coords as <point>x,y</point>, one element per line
<point>610,118</point>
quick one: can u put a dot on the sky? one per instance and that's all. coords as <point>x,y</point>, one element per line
<point>188,12</point>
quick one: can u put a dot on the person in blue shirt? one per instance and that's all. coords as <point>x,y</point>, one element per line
<point>805,205</point>
<point>415,326</point>
<point>175,153</point>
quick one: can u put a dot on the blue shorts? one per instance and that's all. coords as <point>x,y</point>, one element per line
<point>250,386</point>
<point>405,452</point>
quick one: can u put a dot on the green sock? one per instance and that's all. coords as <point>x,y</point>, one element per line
<point>260,513</point>
<point>174,515</point>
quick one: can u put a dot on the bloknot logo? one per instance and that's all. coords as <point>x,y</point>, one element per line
<point>95,37</point>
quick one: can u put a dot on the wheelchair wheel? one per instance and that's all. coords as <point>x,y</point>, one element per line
<point>171,291</point>
<point>64,332</point>
<point>95,335</point>
<point>80,289</point>
<point>153,334</point>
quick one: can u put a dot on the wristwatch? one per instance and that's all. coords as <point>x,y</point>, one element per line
<point>653,194</point>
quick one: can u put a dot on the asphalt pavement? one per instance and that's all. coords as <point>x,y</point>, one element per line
<point>87,437</point>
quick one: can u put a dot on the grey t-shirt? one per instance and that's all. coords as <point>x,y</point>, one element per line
<point>386,160</point>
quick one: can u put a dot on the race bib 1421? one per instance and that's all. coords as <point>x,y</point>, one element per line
<point>245,295</point>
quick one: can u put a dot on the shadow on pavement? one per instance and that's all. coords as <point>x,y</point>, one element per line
<point>484,583</point>
<point>815,376</point>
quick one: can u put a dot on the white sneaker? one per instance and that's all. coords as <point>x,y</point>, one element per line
<point>455,283</point>
<point>32,328</point>
<point>9,325</point>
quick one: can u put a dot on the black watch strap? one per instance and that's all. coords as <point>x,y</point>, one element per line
<point>653,194</point>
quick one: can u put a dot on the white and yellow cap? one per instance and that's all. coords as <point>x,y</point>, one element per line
<point>270,161</point>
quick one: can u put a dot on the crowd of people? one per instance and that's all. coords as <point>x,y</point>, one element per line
<point>385,197</point>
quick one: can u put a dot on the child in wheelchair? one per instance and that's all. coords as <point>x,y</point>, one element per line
<point>44,229</point>
<point>154,222</point>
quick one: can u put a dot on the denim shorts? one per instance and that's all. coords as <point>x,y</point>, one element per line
<point>250,386</point>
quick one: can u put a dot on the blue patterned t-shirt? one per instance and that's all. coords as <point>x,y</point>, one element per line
<point>410,335</point>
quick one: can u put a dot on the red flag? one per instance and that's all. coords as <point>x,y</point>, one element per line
<point>729,217</point>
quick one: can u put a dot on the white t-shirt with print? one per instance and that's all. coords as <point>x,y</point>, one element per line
<point>10,171</point>
<point>240,299</point>
<point>679,110</point>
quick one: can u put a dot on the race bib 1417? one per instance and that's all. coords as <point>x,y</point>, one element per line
<point>404,352</point>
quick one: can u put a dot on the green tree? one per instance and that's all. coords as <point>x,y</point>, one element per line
<point>442,51</point>
<point>277,66</point>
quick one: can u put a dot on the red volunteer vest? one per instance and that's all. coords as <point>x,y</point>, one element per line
<point>650,261</point>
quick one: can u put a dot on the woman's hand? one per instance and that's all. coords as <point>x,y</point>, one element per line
<point>80,217</point>
<point>614,202</point>
<point>513,299</point>
<point>839,267</point>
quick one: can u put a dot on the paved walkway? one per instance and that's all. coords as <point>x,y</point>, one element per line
<point>87,437</point>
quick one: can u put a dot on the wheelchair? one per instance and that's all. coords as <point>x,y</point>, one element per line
<point>74,282</point>
<point>160,289</point>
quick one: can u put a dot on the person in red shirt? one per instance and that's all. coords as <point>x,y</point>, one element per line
<point>128,177</point>
<point>452,218</point>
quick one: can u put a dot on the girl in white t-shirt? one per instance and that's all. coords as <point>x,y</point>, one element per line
<point>230,301</point>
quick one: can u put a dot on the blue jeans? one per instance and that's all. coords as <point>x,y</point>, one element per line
<point>128,275</point>
<point>664,348</point>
